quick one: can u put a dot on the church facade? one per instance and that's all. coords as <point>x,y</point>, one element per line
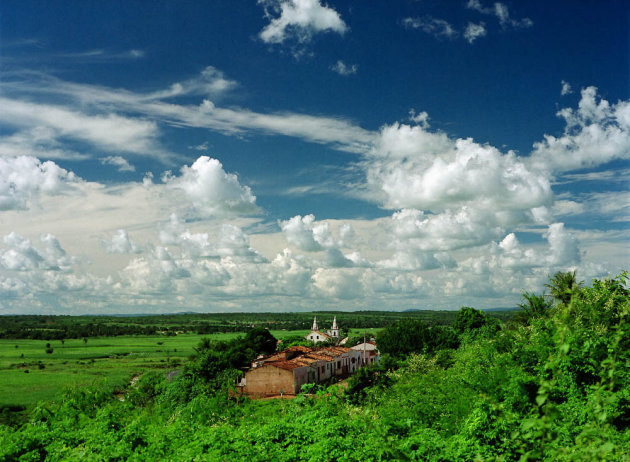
<point>316,335</point>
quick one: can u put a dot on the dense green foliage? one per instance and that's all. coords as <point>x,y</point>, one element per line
<point>214,358</point>
<point>533,306</point>
<point>555,388</point>
<point>470,319</point>
<point>414,336</point>
<point>294,340</point>
<point>563,285</point>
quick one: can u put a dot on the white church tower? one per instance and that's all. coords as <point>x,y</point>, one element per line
<point>334,330</point>
<point>316,335</point>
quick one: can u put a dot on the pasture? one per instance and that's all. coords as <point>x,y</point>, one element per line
<point>28,374</point>
<point>114,360</point>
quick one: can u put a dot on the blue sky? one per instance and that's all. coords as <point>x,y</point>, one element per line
<point>296,154</point>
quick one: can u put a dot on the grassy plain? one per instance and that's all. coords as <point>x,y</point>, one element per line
<point>114,360</point>
<point>111,360</point>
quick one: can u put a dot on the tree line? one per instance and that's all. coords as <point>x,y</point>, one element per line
<point>46,327</point>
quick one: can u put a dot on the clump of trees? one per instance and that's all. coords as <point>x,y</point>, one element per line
<point>295,340</point>
<point>469,319</point>
<point>402,338</point>
<point>217,365</point>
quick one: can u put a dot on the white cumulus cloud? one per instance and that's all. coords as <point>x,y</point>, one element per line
<point>121,243</point>
<point>308,235</point>
<point>305,235</point>
<point>413,168</point>
<point>299,19</point>
<point>19,254</point>
<point>23,179</point>
<point>212,190</point>
<point>595,133</point>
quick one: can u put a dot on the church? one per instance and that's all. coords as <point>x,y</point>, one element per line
<point>317,335</point>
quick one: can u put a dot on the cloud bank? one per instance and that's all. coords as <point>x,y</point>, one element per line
<point>466,219</point>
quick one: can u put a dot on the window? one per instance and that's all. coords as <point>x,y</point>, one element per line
<point>352,360</point>
<point>318,337</point>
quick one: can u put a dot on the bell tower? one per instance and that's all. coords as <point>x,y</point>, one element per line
<point>334,330</point>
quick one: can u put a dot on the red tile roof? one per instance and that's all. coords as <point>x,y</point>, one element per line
<point>303,356</point>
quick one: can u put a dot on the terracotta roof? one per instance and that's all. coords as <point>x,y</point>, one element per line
<point>291,364</point>
<point>280,355</point>
<point>304,356</point>
<point>298,348</point>
<point>282,365</point>
<point>320,357</point>
<point>332,351</point>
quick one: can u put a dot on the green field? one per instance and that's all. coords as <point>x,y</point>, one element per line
<point>114,360</point>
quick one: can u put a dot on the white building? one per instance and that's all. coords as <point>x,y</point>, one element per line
<point>317,335</point>
<point>369,352</point>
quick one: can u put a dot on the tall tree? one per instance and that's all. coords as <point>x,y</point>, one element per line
<point>563,285</point>
<point>260,340</point>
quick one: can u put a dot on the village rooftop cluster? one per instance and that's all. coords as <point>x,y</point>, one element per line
<point>285,372</point>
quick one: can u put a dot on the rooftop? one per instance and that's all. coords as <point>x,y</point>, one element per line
<point>300,356</point>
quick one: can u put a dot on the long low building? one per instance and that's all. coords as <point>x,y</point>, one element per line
<point>285,372</point>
